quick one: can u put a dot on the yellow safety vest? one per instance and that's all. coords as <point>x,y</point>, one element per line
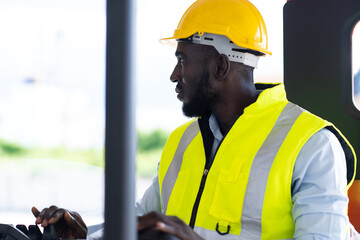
<point>247,194</point>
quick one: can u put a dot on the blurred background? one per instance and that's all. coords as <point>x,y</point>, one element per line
<point>52,103</point>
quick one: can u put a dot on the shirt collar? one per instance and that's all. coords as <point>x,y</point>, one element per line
<point>214,127</point>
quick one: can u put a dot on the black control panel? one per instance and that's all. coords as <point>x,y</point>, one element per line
<point>32,232</point>
<point>21,232</point>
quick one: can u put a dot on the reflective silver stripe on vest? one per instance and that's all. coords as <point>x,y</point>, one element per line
<point>172,173</point>
<point>255,191</point>
<point>210,234</point>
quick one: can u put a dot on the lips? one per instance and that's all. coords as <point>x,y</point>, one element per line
<point>180,92</point>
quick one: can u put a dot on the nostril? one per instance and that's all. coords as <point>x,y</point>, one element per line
<point>174,77</point>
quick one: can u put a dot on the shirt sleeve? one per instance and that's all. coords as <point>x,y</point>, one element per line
<point>319,189</point>
<point>98,235</point>
<point>150,201</point>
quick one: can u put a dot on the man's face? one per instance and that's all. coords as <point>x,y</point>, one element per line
<point>192,73</point>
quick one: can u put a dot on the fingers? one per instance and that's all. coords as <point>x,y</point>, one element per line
<point>78,228</point>
<point>156,220</point>
<point>39,215</point>
<point>48,216</point>
<point>172,229</point>
<point>165,228</point>
<point>168,224</point>
<point>149,220</point>
<point>174,226</point>
<point>35,211</point>
<point>178,228</point>
<point>68,224</point>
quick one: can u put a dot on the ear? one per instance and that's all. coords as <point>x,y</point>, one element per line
<point>222,67</point>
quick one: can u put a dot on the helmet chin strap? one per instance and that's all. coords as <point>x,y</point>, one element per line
<point>224,46</point>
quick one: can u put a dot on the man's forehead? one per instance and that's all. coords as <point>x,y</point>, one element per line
<point>185,47</point>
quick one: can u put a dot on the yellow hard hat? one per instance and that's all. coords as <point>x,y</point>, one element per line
<point>239,20</point>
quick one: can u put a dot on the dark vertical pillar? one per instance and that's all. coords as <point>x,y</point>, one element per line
<point>317,61</point>
<point>120,131</point>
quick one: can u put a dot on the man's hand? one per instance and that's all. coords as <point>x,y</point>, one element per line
<point>68,225</point>
<point>168,224</point>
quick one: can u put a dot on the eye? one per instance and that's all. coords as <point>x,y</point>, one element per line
<point>181,61</point>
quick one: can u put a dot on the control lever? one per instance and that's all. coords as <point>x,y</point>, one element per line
<point>34,232</point>
<point>50,233</point>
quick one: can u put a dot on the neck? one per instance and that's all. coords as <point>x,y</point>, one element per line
<point>229,110</point>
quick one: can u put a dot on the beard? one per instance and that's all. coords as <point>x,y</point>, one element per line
<point>201,103</point>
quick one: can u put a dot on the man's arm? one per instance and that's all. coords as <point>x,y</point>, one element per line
<point>150,201</point>
<point>319,189</point>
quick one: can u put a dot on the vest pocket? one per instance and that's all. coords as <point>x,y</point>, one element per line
<point>228,195</point>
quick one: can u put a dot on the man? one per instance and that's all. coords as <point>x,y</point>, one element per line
<point>251,165</point>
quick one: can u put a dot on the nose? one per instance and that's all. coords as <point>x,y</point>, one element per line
<point>176,74</point>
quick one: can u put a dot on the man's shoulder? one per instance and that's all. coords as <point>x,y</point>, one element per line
<point>185,125</point>
<point>310,116</point>
<point>191,126</point>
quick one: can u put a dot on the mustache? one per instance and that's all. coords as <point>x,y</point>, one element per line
<point>178,88</point>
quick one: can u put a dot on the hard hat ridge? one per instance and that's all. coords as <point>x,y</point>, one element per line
<point>238,20</point>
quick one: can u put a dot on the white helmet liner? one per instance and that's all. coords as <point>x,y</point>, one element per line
<point>225,46</point>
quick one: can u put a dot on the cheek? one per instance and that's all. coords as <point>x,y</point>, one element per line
<point>187,74</point>
<point>188,78</point>
<point>191,88</point>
